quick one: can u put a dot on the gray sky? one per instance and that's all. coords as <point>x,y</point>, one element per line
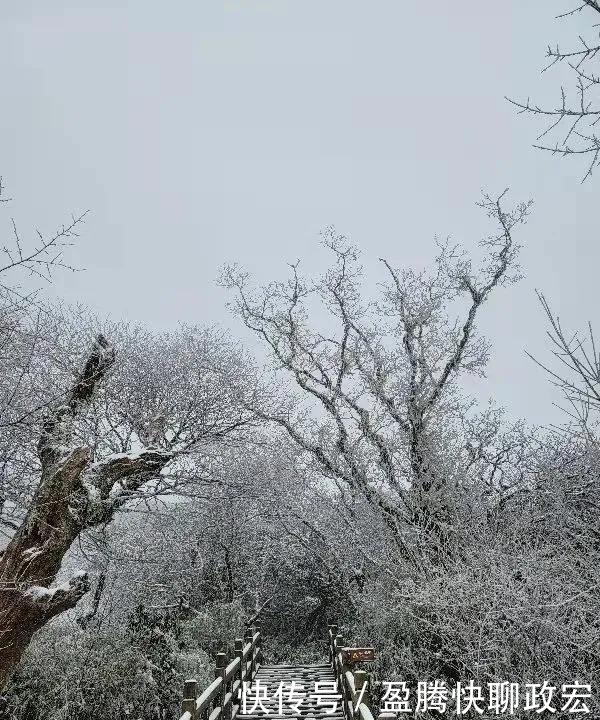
<point>199,133</point>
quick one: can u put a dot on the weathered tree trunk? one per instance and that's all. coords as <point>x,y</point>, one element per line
<point>73,495</point>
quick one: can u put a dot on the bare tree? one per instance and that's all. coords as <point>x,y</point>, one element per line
<point>385,381</point>
<point>576,371</point>
<point>572,124</point>
<point>75,447</point>
<point>148,430</point>
<point>24,387</point>
<point>38,258</point>
<point>72,495</point>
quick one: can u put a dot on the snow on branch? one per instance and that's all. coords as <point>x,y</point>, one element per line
<point>110,482</point>
<point>61,597</point>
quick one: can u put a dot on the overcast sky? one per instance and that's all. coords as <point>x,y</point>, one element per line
<point>199,133</point>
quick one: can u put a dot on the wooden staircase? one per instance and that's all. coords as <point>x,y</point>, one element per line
<point>304,679</point>
<point>324,691</point>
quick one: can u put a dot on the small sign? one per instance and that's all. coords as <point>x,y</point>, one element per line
<point>356,655</point>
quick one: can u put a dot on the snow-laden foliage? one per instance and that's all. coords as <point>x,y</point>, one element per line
<point>158,493</point>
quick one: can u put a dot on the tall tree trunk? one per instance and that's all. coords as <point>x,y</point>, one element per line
<point>73,494</point>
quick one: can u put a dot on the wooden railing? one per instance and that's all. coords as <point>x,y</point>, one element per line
<point>352,685</point>
<point>221,699</point>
